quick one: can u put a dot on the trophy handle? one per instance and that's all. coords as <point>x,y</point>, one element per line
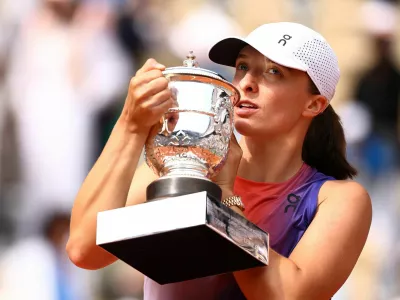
<point>221,112</point>
<point>164,127</point>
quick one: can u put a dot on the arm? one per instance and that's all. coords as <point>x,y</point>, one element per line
<point>106,187</point>
<point>326,254</point>
<point>108,183</point>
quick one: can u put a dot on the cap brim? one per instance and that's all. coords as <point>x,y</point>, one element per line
<point>226,51</point>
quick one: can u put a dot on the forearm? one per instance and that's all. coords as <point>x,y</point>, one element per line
<point>281,279</point>
<point>106,187</point>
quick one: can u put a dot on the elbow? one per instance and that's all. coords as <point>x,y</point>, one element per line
<point>87,257</point>
<point>76,253</point>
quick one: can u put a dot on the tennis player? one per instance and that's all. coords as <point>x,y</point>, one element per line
<point>289,172</point>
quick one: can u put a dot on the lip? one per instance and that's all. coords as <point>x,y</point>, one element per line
<point>245,101</point>
<point>244,112</point>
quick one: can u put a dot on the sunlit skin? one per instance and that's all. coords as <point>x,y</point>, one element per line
<point>280,94</point>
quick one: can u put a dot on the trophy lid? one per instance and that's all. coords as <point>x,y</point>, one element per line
<point>191,66</point>
<point>190,71</point>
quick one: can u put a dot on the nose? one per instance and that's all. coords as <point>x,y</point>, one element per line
<point>248,84</point>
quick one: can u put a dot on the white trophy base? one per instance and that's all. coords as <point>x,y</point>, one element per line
<point>182,238</point>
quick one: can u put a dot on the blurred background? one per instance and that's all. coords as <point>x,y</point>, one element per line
<point>65,66</point>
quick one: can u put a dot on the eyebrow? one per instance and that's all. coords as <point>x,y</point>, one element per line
<point>272,62</point>
<point>241,55</point>
<point>283,67</point>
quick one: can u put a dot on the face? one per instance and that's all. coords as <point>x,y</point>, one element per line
<point>274,99</point>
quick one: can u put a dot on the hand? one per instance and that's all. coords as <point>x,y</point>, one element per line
<point>170,119</point>
<point>148,98</point>
<point>226,177</point>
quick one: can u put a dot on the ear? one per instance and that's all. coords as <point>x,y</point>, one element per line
<point>315,106</point>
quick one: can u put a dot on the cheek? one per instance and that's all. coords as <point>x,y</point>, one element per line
<point>236,81</point>
<point>281,105</point>
<point>280,111</point>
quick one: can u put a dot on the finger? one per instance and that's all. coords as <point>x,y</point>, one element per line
<point>233,138</point>
<point>165,105</point>
<point>234,146</point>
<point>158,99</point>
<point>174,93</point>
<point>143,79</point>
<point>162,107</point>
<point>150,64</point>
<point>152,88</point>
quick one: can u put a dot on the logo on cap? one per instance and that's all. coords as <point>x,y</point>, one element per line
<point>286,37</point>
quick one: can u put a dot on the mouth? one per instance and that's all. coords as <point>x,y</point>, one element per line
<point>246,104</point>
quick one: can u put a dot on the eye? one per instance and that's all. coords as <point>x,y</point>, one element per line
<point>241,67</point>
<point>273,71</point>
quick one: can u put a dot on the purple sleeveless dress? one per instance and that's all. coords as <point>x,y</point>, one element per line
<point>284,210</point>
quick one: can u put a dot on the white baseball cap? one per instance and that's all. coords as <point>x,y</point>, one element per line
<point>291,45</point>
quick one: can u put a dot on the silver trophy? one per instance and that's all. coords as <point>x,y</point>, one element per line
<point>191,143</point>
<point>183,231</point>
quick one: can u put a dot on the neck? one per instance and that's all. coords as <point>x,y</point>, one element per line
<point>276,160</point>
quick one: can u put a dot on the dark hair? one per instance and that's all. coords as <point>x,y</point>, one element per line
<point>324,146</point>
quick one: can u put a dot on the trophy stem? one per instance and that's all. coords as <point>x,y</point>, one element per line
<point>166,187</point>
<point>187,166</point>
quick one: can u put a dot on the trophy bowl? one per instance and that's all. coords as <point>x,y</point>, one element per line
<point>191,142</point>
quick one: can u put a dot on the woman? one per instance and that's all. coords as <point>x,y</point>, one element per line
<point>290,170</point>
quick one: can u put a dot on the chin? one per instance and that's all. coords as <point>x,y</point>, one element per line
<point>245,128</point>
<point>248,128</point>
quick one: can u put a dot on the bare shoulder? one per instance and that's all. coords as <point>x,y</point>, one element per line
<point>345,193</point>
<point>142,178</point>
<point>344,216</point>
<point>343,189</point>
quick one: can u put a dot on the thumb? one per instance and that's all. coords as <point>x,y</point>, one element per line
<point>234,141</point>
